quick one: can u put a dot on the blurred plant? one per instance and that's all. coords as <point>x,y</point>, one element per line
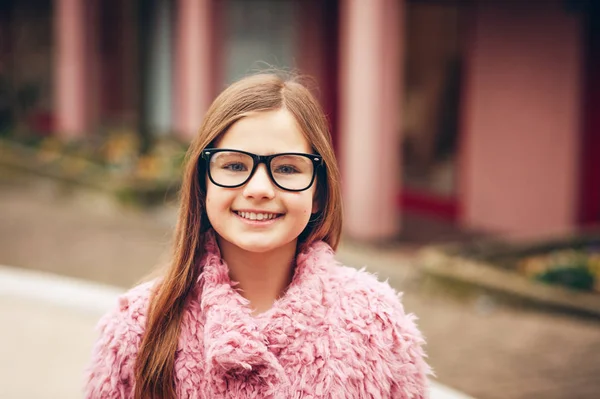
<point>119,151</point>
<point>576,269</point>
<point>113,160</point>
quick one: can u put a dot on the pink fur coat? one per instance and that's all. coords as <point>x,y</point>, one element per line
<point>336,333</point>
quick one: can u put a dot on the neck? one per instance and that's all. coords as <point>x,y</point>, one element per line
<point>262,277</point>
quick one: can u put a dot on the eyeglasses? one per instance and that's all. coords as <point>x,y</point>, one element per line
<point>289,171</point>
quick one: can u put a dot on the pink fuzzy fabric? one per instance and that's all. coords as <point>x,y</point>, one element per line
<point>336,333</point>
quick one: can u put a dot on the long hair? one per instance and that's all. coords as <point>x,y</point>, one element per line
<point>154,370</point>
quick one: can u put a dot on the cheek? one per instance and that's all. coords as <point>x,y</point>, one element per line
<point>210,193</point>
<point>302,205</point>
<point>209,201</point>
<point>216,199</point>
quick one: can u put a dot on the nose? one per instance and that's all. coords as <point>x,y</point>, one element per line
<point>260,184</point>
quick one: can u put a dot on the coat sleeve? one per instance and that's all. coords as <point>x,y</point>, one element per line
<point>402,348</point>
<point>110,374</point>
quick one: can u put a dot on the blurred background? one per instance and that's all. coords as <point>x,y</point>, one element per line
<point>468,136</point>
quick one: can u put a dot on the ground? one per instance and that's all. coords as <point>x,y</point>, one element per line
<point>476,345</point>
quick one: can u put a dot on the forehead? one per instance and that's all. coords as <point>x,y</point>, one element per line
<point>265,133</point>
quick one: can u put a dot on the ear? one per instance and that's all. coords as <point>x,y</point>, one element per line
<point>316,207</point>
<point>317,203</point>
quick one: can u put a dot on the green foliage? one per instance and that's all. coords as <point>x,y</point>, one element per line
<point>577,269</point>
<point>578,277</point>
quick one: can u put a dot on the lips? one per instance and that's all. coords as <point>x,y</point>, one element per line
<point>257,216</point>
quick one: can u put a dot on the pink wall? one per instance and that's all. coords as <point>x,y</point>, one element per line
<point>521,119</point>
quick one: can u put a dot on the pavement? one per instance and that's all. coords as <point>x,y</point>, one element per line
<point>476,345</point>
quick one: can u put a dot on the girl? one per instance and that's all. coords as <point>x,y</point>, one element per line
<point>254,305</point>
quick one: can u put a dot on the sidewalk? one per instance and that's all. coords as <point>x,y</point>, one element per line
<point>481,348</point>
<point>48,333</point>
<point>52,334</point>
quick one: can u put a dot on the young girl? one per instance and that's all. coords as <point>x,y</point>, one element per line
<point>254,305</point>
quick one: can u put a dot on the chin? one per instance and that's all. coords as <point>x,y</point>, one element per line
<point>262,244</point>
<point>257,247</point>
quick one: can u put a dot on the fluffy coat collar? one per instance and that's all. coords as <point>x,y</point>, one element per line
<point>241,346</point>
<point>336,333</point>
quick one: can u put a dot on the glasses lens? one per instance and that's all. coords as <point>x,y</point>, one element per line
<point>293,172</point>
<point>229,168</point>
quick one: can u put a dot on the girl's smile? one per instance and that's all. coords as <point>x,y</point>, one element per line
<point>258,218</point>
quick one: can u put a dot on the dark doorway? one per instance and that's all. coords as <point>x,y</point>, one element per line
<point>590,152</point>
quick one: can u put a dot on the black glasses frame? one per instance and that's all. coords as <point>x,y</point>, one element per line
<point>317,161</point>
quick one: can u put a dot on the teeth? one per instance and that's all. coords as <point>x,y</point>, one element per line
<point>257,216</point>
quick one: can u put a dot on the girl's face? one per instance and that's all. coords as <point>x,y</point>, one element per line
<point>259,216</point>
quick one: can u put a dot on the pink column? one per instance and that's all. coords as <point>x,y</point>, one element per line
<point>70,68</point>
<point>193,65</point>
<point>370,114</point>
<point>522,119</point>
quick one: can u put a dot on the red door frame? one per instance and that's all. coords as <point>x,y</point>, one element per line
<point>589,190</point>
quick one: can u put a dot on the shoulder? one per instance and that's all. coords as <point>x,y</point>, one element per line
<point>360,284</point>
<point>130,312</point>
<point>363,290</point>
<point>322,260</point>
<point>351,287</point>
<point>371,308</point>
<point>110,372</point>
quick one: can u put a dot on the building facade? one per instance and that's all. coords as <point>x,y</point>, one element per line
<point>483,113</point>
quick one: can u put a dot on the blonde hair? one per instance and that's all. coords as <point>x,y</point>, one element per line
<point>154,371</point>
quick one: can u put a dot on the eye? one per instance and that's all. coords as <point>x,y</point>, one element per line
<point>235,167</point>
<point>286,169</point>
